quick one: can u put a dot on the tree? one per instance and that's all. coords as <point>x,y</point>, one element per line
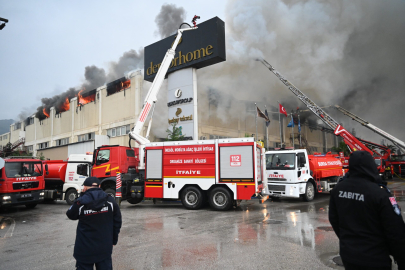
<point>391,147</point>
<point>342,147</point>
<point>40,156</point>
<point>175,134</point>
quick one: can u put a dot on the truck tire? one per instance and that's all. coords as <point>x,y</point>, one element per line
<point>309,192</point>
<point>220,199</point>
<point>110,191</point>
<point>30,205</point>
<point>71,196</point>
<point>192,198</point>
<point>134,200</point>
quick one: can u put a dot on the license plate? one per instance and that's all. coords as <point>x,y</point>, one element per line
<point>26,195</point>
<point>276,195</point>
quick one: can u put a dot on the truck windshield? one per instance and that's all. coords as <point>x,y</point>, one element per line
<point>23,169</point>
<point>282,161</point>
<point>103,156</point>
<point>398,158</point>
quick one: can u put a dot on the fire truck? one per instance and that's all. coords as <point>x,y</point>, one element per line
<point>396,163</point>
<point>351,141</point>
<point>221,172</point>
<point>21,182</point>
<point>294,173</point>
<point>61,179</point>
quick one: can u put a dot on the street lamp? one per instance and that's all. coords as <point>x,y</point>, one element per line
<point>3,24</point>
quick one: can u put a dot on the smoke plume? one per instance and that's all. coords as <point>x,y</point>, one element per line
<point>337,52</point>
<point>169,19</point>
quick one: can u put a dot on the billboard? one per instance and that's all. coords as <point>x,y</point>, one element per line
<point>199,48</point>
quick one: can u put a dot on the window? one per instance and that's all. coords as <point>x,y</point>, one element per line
<point>118,131</point>
<point>103,156</point>
<point>30,148</point>
<point>43,145</point>
<point>26,169</point>
<point>5,137</point>
<point>85,137</point>
<point>17,126</point>
<point>62,141</point>
<point>281,161</point>
<point>30,121</point>
<point>130,153</point>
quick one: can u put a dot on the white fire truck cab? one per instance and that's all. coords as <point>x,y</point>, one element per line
<point>294,173</point>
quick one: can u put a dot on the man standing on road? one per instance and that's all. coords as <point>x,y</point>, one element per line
<point>366,218</point>
<point>98,228</point>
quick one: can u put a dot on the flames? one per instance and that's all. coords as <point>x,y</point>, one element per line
<point>126,84</point>
<point>45,113</point>
<point>84,100</point>
<point>65,106</point>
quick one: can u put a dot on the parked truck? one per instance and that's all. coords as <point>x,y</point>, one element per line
<point>21,182</point>
<point>61,179</point>
<point>221,172</point>
<point>294,173</point>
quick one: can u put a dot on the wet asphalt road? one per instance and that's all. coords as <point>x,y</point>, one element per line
<point>285,234</point>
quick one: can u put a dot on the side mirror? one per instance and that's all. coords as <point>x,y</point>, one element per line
<point>46,169</point>
<point>82,169</point>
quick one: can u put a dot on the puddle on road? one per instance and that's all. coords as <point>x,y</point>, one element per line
<point>7,226</point>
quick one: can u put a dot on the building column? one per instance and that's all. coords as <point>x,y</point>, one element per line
<point>52,116</point>
<point>73,106</point>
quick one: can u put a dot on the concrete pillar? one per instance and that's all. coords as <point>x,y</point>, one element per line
<point>73,106</point>
<point>52,117</point>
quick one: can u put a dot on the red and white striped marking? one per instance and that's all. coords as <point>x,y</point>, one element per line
<point>118,184</point>
<point>145,112</point>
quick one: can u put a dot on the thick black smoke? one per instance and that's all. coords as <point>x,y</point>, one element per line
<point>169,19</point>
<point>345,52</point>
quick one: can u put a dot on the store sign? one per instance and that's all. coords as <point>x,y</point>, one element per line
<point>199,48</point>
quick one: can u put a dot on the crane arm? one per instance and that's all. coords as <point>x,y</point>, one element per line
<point>348,138</point>
<point>377,130</point>
<point>151,96</point>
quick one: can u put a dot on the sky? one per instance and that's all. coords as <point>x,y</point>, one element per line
<point>46,45</point>
<point>345,52</point>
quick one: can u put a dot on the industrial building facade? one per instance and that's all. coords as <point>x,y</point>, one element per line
<point>108,118</point>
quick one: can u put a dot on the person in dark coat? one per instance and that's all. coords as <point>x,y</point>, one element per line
<point>366,218</point>
<point>98,227</point>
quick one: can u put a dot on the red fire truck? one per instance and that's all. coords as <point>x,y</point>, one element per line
<point>21,182</point>
<point>221,172</point>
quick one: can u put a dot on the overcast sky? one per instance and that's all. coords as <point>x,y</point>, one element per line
<point>47,44</point>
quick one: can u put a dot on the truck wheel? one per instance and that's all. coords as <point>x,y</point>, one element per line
<point>220,199</point>
<point>110,191</point>
<point>192,198</point>
<point>134,200</point>
<point>71,196</point>
<point>309,192</point>
<point>31,205</point>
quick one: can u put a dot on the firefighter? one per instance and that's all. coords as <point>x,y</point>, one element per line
<point>366,218</point>
<point>98,227</point>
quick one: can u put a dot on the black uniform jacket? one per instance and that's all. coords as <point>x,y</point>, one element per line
<point>99,225</point>
<point>364,219</point>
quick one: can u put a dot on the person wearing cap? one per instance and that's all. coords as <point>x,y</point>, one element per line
<point>98,227</point>
<point>366,218</point>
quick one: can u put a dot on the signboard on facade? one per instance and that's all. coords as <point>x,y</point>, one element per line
<point>198,48</point>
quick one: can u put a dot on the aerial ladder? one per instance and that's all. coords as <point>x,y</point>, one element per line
<point>394,140</point>
<point>353,143</point>
<point>151,97</point>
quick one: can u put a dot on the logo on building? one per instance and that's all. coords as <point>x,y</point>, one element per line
<point>178,112</point>
<point>177,93</point>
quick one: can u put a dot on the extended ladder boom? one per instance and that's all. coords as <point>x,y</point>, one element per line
<point>377,130</point>
<point>151,96</point>
<point>349,139</point>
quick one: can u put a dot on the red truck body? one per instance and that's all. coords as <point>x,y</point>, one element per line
<point>21,182</point>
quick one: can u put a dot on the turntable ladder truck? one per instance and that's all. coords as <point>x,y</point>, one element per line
<point>324,180</point>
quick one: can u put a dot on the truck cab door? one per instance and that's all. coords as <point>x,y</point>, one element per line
<point>302,163</point>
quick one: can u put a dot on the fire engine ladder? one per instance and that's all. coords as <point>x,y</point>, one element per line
<point>13,146</point>
<point>321,114</point>
<point>394,140</point>
<point>305,144</point>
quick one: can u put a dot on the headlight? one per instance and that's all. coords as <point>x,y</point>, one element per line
<point>5,198</point>
<point>42,194</point>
